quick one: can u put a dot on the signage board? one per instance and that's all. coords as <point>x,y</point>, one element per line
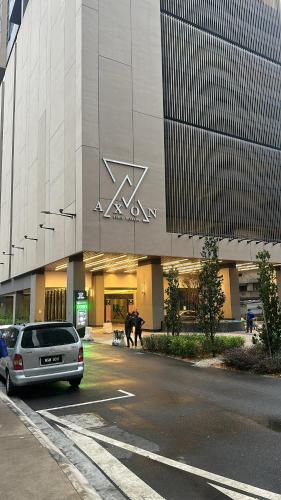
<point>81,308</point>
<point>129,207</point>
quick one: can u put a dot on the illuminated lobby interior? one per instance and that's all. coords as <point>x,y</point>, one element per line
<point>119,283</point>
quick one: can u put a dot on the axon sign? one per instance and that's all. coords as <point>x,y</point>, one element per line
<point>130,207</point>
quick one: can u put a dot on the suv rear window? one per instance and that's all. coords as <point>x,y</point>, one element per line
<point>48,336</point>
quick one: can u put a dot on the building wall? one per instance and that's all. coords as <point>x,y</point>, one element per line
<point>222,88</point>
<point>3,36</point>
<point>122,121</point>
<point>84,84</point>
<point>115,280</point>
<point>55,279</point>
<point>41,164</point>
<point>7,162</point>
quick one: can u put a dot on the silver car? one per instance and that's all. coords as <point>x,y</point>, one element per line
<point>41,352</point>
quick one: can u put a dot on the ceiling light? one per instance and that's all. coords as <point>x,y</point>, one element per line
<point>117,265</point>
<point>184,264</point>
<point>108,259</point>
<point>96,269</point>
<point>94,257</point>
<point>174,262</point>
<point>63,266</point>
<point>114,269</point>
<point>128,263</point>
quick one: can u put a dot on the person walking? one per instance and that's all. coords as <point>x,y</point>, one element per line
<point>3,347</point>
<point>250,321</point>
<point>139,322</point>
<point>129,323</point>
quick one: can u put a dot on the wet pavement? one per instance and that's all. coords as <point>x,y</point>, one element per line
<point>223,422</point>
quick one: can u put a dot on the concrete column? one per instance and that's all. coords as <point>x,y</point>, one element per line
<point>37,297</point>
<point>75,281</point>
<point>98,300</point>
<point>17,306</point>
<point>150,293</point>
<point>230,287</point>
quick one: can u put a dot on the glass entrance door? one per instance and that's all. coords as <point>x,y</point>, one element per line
<point>117,307</point>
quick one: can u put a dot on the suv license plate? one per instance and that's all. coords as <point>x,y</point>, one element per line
<point>51,360</point>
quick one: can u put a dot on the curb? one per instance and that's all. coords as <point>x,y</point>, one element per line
<point>80,483</point>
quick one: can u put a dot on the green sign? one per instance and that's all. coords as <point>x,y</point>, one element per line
<point>81,308</point>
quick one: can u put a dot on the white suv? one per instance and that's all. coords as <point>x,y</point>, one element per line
<point>41,352</point>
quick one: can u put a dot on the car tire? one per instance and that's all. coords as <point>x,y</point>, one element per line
<point>75,382</point>
<point>10,388</point>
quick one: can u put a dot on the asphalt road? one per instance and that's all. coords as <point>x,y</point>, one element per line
<point>223,422</point>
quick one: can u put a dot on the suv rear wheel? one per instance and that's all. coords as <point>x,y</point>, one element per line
<point>10,388</point>
<point>75,382</point>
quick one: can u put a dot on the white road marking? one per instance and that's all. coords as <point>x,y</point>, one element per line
<point>75,477</point>
<point>86,420</point>
<point>130,484</point>
<point>232,494</point>
<point>167,461</point>
<point>126,395</point>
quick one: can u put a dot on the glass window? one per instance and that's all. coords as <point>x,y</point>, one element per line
<point>10,336</point>
<point>15,7</point>
<point>48,336</point>
<point>25,2</point>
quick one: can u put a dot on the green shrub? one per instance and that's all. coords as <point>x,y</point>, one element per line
<point>193,345</point>
<point>253,358</point>
<point>185,347</point>
<point>157,343</point>
<point>244,358</point>
<point>269,365</point>
<point>228,342</point>
<point>6,320</point>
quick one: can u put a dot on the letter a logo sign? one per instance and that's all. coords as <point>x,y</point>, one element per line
<point>127,206</point>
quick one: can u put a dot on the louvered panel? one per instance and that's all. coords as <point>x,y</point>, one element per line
<point>218,185</point>
<point>222,109</point>
<point>214,85</point>
<point>252,24</point>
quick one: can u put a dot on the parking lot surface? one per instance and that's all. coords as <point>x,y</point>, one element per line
<point>176,431</point>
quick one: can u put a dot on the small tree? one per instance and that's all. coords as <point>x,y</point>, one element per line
<point>210,295</point>
<point>172,302</point>
<point>270,335</point>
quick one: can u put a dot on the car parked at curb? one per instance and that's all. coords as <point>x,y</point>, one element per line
<point>41,352</point>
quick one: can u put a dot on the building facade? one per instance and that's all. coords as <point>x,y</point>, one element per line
<point>131,130</point>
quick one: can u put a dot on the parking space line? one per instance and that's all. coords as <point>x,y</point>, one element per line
<point>131,485</point>
<point>247,488</point>
<point>126,395</point>
<point>72,473</point>
<point>234,495</point>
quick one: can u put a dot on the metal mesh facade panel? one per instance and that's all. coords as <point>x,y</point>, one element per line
<point>251,24</point>
<point>218,86</point>
<point>222,108</point>
<point>218,185</point>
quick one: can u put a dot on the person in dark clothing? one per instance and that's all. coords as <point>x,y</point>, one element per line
<point>139,322</point>
<point>129,323</point>
<point>3,347</point>
<point>250,321</point>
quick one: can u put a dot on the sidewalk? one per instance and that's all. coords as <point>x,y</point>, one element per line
<point>27,469</point>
